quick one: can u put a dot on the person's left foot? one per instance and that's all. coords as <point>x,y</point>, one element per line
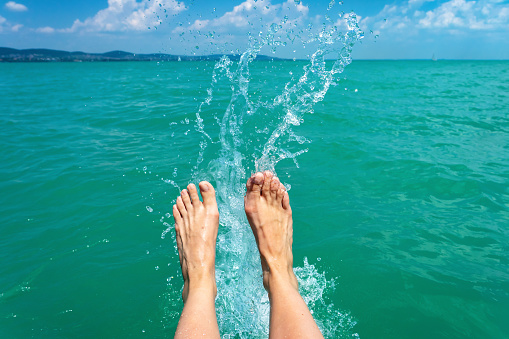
<point>196,225</point>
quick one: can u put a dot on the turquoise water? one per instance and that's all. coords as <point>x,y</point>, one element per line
<point>400,197</point>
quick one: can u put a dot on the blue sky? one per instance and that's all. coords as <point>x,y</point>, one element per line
<point>410,29</point>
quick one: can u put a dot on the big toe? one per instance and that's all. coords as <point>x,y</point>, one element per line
<point>209,194</point>
<point>254,184</point>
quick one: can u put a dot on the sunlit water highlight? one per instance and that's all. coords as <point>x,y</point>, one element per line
<point>255,133</point>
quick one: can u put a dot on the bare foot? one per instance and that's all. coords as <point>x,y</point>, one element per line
<point>196,225</point>
<point>268,211</point>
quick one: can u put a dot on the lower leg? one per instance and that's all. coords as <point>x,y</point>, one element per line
<point>268,211</point>
<point>196,225</point>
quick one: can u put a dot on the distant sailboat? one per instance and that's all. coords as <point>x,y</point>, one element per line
<point>434,58</point>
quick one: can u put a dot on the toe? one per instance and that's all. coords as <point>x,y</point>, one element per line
<point>286,201</point>
<point>193,193</point>
<point>274,187</point>
<point>186,199</point>
<point>254,184</point>
<point>181,207</point>
<point>209,194</point>
<point>177,217</point>
<point>267,183</point>
<point>280,192</point>
<point>179,247</point>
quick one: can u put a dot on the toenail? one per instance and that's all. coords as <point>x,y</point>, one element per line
<point>258,178</point>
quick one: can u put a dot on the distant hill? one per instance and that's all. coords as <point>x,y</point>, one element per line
<point>49,55</point>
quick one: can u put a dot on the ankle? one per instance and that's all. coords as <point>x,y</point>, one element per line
<point>205,288</point>
<point>277,279</point>
<point>282,266</point>
<point>202,278</point>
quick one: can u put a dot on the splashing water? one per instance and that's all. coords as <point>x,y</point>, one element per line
<point>255,133</point>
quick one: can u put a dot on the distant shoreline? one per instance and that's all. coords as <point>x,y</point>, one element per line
<point>50,55</point>
<point>42,55</point>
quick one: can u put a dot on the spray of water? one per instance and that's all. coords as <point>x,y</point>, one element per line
<point>255,133</point>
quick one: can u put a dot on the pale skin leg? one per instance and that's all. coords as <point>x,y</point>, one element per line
<point>196,225</point>
<point>268,211</point>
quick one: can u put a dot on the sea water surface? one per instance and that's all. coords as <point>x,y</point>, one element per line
<point>399,185</point>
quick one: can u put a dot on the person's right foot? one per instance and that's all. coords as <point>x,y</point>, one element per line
<point>268,211</point>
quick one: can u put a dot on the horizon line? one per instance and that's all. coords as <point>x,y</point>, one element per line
<point>237,55</point>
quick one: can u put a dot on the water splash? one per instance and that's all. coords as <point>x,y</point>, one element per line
<point>256,132</point>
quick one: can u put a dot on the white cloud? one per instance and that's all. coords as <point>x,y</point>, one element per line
<point>453,16</point>
<point>292,29</point>
<point>46,29</point>
<point>199,24</point>
<point>252,13</point>
<point>455,13</point>
<point>128,15</point>
<point>16,28</point>
<point>15,7</point>
<point>8,26</point>
<point>471,15</point>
